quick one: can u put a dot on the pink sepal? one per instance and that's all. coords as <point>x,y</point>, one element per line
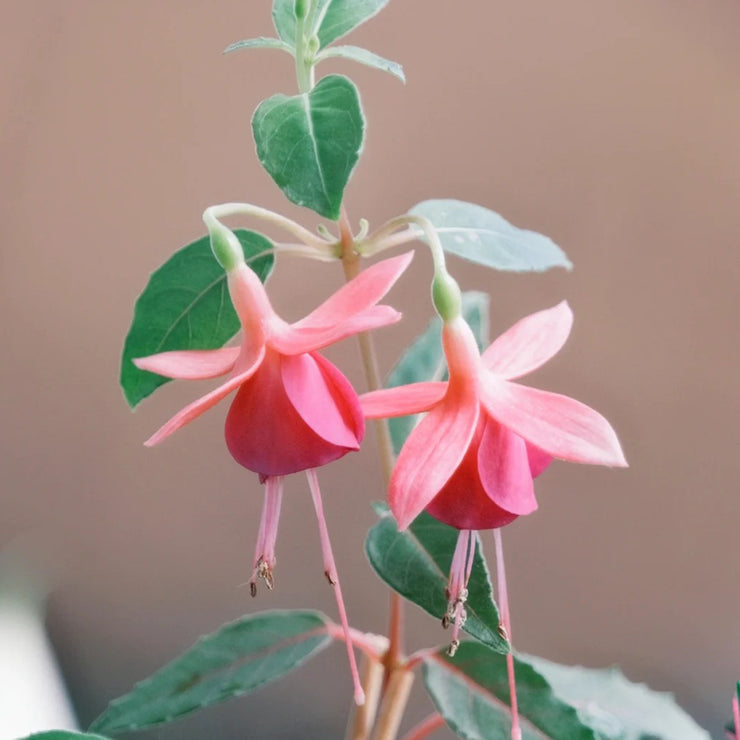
<point>558,425</point>
<point>358,294</point>
<point>190,365</point>
<point>430,456</point>
<point>401,401</point>
<point>529,343</point>
<point>203,404</point>
<point>289,340</point>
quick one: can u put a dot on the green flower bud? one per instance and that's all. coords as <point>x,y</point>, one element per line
<point>227,249</point>
<point>446,296</point>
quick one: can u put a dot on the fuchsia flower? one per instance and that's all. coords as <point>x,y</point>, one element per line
<point>293,409</point>
<point>471,461</point>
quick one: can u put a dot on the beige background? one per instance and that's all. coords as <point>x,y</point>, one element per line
<point>611,126</point>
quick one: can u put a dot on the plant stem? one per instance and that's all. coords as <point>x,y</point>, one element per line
<point>216,213</point>
<point>351,266</point>
<point>362,718</point>
<point>426,727</point>
<point>394,704</point>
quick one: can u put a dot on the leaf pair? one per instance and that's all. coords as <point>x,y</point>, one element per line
<point>310,143</point>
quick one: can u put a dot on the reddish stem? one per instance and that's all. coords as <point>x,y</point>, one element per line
<point>351,265</point>
<point>736,715</point>
<point>426,727</point>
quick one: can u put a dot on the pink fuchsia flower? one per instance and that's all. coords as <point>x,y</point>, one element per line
<point>472,459</point>
<point>293,410</point>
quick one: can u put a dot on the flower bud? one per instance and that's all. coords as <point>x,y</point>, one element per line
<point>446,296</point>
<point>227,249</point>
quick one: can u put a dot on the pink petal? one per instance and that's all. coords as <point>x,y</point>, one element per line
<point>294,341</point>
<point>358,294</point>
<point>503,465</point>
<point>403,400</point>
<point>195,409</point>
<point>324,399</point>
<point>530,343</point>
<point>265,433</point>
<point>431,454</point>
<point>558,425</point>
<point>463,502</point>
<point>190,365</point>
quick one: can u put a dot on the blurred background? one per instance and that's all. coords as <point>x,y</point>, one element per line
<point>611,127</point>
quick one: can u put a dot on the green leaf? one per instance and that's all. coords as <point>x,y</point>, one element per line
<point>616,707</point>
<point>283,18</point>
<point>424,359</point>
<point>336,18</point>
<point>331,19</point>
<point>363,56</point>
<point>482,236</point>
<point>416,563</point>
<point>310,143</point>
<point>64,735</point>
<point>186,305</point>
<point>471,692</point>
<point>259,43</point>
<point>239,658</point>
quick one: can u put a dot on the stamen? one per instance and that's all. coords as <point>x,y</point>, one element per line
<point>330,569</point>
<point>264,552</point>
<point>505,627</point>
<point>457,589</point>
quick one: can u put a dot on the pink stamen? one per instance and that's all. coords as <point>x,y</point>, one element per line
<point>736,715</point>
<point>330,569</point>
<point>462,564</point>
<point>516,733</point>
<point>264,552</point>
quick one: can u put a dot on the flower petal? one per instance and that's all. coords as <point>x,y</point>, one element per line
<point>190,365</point>
<point>265,433</point>
<point>358,294</point>
<point>432,452</point>
<point>203,404</point>
<point>558,425</point>
<point>463,502</point>
<point>402,400</point>
<point>290,340</point>
<point>530,343</point>
<point>324,399</point>
<point>503,466</point>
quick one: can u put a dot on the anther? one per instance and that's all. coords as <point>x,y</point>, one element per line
<point>330,578</point>
<point>446,621</point>
<point>452,649</point>
<point>253,588</point>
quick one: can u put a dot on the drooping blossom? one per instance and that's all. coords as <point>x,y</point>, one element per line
<point>293,409</point>
<point>472,459</point>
